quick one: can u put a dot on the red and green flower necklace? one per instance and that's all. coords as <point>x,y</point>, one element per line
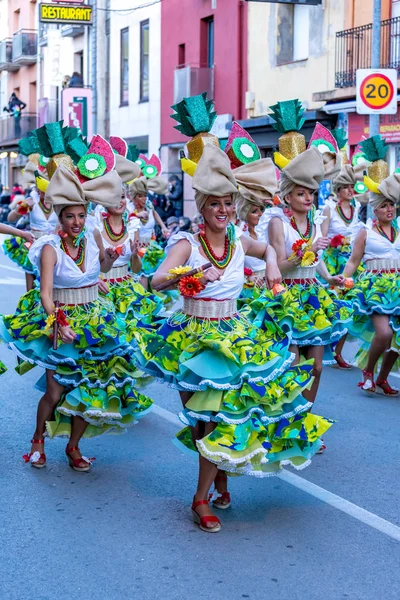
<point>347,220</point>
<point>221,262</point>
<point>44,208</point>
<point>79,259</point>
<point>393,232</point>
<point>308,232</point>
<point>114,235</point>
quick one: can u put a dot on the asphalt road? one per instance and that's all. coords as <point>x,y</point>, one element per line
<point>124,530</point>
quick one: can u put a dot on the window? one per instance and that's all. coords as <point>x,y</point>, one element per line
<point>210,42</point>
<point>144,61</point>
<point>124,77</point>
<point>293,33</point>
<point>181,55</point>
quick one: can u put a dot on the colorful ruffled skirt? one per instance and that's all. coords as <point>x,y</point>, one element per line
<point>308,313</point>
<point>15,249</point>
<point>336,259</point>
<point>243,381</point>
<point>96,369</point>
<point>374,293</point>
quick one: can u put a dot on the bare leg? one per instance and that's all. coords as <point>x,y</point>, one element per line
<point>381,342</point>
<point>78,427</point>
<point>46,406</point>
<point>145,282</point>
<point>317,353</point>
<point>340,344</point>
<point>30,280</point>
<point>387,365</point>
<point>295,350</point>
<point>207,474</point>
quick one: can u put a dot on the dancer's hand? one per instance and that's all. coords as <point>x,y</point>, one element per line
<point>165,232</point>
<point>103,287</point>
<point>112,254</point>
<point>273,274</point>
<point>210,276</point>
<point>337,281</point>
<point>321,244</point>
<point>66,334</point>
<point>27,236</point>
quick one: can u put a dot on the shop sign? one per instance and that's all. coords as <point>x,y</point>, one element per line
<point>77,109</point>
<point>66,14</point>
<point>389,127</point>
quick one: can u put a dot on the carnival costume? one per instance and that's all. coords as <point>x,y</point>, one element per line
<point>96,369</point>
<point>240,375</point>
<point>377,290</point>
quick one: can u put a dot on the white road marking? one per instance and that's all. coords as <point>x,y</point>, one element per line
<point>353,510</point>
<point>11,281</point>
<point>15,269</point>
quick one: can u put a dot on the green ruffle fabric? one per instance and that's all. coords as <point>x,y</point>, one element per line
<point>132,302</point>
<point>309,314</point>
<point>152,259</point>
<point>96,370</point>
<point>16,251</point>
<point>336,259</point>
<point>243,380</point>
<point>379,294</point>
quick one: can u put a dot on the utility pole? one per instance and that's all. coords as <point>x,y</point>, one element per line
<point>375,58</point>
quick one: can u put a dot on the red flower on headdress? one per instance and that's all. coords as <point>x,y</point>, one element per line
<point>190,286</point>
<point>337,241</point>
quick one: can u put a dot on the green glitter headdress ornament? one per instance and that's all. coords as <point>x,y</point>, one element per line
<point>289,120</point>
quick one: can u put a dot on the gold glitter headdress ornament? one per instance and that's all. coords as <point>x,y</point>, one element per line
<point>374,151</point>
<point>341,139</point>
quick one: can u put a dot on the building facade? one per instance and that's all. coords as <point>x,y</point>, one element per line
<point>204,49</point>
<point>18,60</point>
<point>134,73</point>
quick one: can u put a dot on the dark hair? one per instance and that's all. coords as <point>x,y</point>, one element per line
<point>186,223</point>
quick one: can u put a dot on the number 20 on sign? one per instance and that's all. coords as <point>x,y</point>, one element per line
<point>376,91</point>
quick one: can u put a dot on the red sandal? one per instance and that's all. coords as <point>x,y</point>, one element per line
<point>369,384</point>
<point>76,463</point>
<point>202,521</point>
<point>35,457</point>
<point>216,495</point>
<point>385,388</point>
<point>341,363</point>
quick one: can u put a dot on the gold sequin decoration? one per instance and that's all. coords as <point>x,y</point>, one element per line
<point>378,171</point>
<point>59,159</point>
<point>196,145</point>
<point>292,144</point>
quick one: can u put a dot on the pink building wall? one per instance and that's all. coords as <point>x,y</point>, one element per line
<point>22,15</point>
<point>181,24</point>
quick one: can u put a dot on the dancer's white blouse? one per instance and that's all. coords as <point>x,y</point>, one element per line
<point>255,264</point>
<point>231,283</point>
<point>378,247</point>
<point>338,227</point>
<point>38,221</point>
<point>66,273</point>
<point>126,256</point>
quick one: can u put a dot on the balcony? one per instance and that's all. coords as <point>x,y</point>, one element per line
<point>12,129</point>
<point>24,47</point>
<point>6,63</point>
<point>193,80</point>
<point>72,30</point>
<point>354,51</point>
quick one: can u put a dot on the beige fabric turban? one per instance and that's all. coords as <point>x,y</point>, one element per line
<point>348,176</point>
<point>157,185</point>
<point>65,189</point>
<point>306,170</point>
<point>257,184</point>
<point>213,176</point>
<point>126,169</point>
<point>389,190</point>
<point>29,174</point>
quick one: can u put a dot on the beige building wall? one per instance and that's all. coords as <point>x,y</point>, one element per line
<point>270,32</point>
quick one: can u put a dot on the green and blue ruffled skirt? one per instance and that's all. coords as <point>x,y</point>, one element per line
<point>15,249</point>
<point>96,369</point>
<point>243,380</point>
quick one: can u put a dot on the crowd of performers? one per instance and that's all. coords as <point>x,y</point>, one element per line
<point>240,318</point>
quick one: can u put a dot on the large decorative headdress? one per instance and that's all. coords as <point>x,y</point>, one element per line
<point>374,151</point>
<point>213,176</point>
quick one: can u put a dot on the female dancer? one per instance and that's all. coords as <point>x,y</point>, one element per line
<point>375,296</point>
<point>89,376</point>
<point>242,400</point>
<point>131,301</point>
<point>341,225</point>
<point>315,318</point>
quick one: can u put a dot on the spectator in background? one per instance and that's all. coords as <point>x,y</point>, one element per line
<point>172,226</point>
<point>196,222</point>
<point>175,194</point>
<point>163,205</point>
<point>65,81</point>
<point>184,224</point>
<point>76,80</point>
<point>14,108</point>
<point>16,190</point>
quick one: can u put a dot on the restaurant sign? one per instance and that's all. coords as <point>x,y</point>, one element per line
<point>65,14</point>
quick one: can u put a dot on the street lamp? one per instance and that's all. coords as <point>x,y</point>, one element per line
<point>4,155</point>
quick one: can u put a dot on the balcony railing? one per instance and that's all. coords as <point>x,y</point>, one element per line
<point>24,47</point>
<point>193,80</point>
<point>12,129</point>
<point>354,51</point>
<point>6,63</point>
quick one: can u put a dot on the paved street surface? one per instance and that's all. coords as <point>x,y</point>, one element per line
<point>124,530</point>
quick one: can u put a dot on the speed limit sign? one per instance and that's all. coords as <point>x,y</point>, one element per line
<point>376,91</point>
